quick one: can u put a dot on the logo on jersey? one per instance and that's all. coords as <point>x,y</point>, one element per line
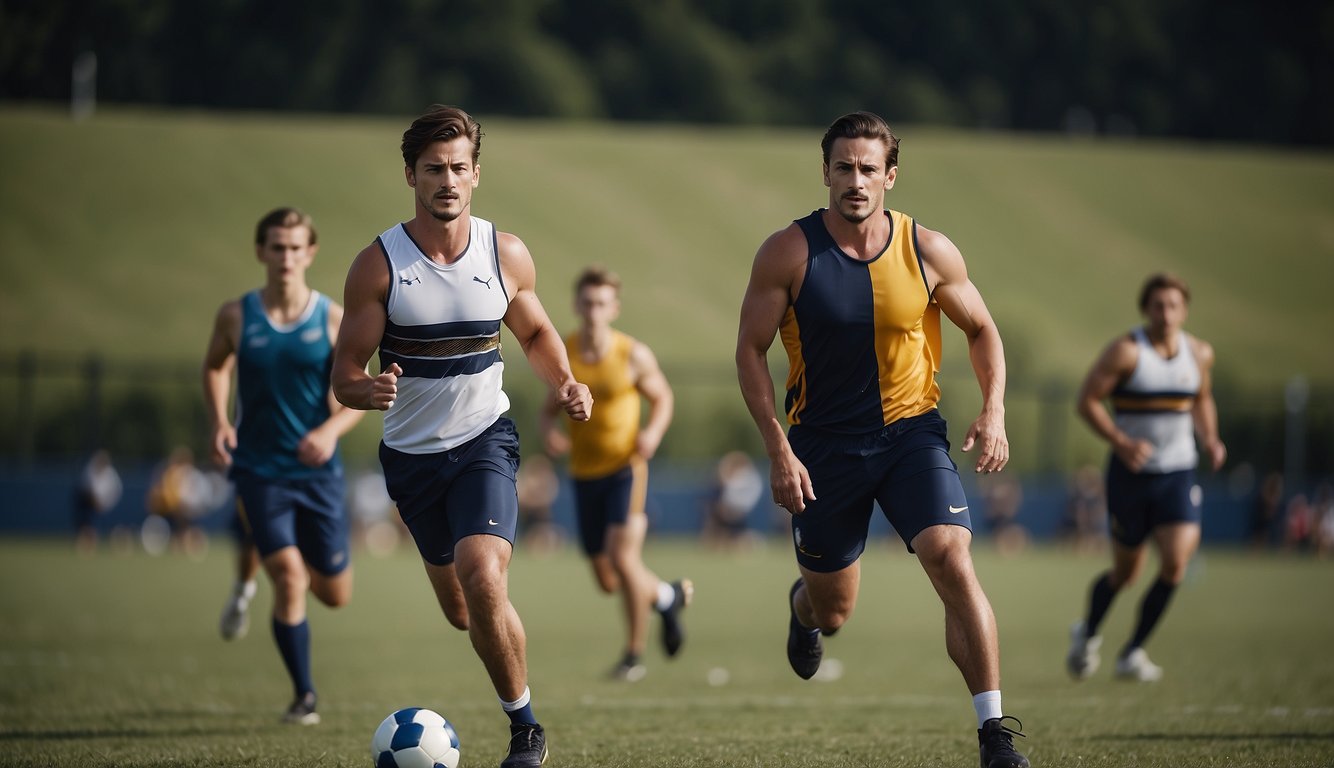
<point>956,510</point>
<point>312,335</point>
<point>486,282</point>
<point>406,281</point>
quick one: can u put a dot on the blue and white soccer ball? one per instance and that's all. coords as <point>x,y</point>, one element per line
<point>415,738</point>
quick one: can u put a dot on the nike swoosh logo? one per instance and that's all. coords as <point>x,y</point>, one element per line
<point>493,522</point>
<point>956,510</point>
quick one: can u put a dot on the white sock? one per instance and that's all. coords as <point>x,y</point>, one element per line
<point>988,706</point>
<point>245,590</point>
<point>519,703</point>
<point>666,596</point>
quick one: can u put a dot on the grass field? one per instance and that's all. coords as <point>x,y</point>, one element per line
<point>114,660</point>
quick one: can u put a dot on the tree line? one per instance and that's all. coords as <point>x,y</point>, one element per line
<point>1238,71</point>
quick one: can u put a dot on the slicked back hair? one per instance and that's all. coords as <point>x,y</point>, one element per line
<point>285,218</point>
<point>862,125</point>
<point>1157,283</point>
<point>440,123</point>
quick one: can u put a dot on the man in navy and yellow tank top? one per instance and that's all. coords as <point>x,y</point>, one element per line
<point>609,457</point>
<point>282,449</point>
<point>856,293</point>
<point>1157,378</point>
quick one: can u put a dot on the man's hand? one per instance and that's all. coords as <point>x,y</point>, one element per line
<point>989,433</point>
<point>384,388</point>
<point>576,400</point>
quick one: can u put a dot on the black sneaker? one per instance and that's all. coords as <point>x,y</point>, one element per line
<point>996,743</point>
<point>673,634</point>
<point>302,711</point>
<point>804,647</point>
<point>528,746</point>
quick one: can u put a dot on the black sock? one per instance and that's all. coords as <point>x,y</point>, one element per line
<point>1100,599</point>
<point>1151,609</point>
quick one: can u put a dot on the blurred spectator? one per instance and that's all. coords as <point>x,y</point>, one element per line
<point>1323,512</point>
<point>1265,510</point>
<point>177,497</point>
<point>98,491</point>
<point>1002,496</point>
<point>1084,525</point>
<point>374,519</point>
<point>1298,522</point>
<point>538,486</point>
<point>737,489</point>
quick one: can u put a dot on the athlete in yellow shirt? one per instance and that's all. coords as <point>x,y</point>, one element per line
<point>609,456</point>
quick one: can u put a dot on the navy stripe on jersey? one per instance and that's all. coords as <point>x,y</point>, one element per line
<point>500,273</point>
<point>436,331</point>
<point>916,248</point>
<point>1128,394</point>
<point>418,368</point>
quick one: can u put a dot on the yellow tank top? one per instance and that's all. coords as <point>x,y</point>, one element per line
<point>606,442</point>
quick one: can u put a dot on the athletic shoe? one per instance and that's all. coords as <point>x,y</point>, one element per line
<point>528,746</point>
<point>302,711</point>
<point>1082,660</point>
<point>629,669</point>
<point>235,621</point>
<point>995,743</point>
<point>1136,666</point>
<point>673,634</point>
<point>804,646</point>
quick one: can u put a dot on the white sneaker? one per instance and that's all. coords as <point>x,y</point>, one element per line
<point>1136,666</point>
<point>1082,659</point>
<point>235,621</point>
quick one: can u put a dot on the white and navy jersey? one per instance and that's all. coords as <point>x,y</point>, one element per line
<point>443,330</point>
<point>1155,403</point>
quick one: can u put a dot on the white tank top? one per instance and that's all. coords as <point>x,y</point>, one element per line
<point>443,330</point>
<point>1155,402</point>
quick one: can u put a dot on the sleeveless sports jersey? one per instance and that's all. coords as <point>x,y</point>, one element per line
<point>606,442</point>
<point>863,337</point>
<point>282,388</point>
<point>443,330</point>
<point>1155,403</point>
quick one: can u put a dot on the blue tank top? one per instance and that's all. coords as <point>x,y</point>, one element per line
<point>282,375</point>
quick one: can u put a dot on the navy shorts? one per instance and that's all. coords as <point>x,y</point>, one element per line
<point>465,491</point>
<point>606,501</point>
<point>306,513</point>
<point>905,467</point>
<point>1139,502</point>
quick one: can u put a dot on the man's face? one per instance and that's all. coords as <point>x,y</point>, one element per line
<point>445,177</point>
<point>597,305</point>
<point>286,253</point>
<point>1165,310</point>
<point>858,178</point>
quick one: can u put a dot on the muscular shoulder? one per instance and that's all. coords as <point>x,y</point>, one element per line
<point>516,263</point>
<point>941,257</point>
<point>782,256</point>
<point>1203,351</point>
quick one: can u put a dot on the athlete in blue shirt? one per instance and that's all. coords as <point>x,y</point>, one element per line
<point>282,448</point>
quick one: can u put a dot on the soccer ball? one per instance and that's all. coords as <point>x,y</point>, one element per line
<point>415,738</point>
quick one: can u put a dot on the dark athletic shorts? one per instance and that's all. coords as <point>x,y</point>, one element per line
<point>906,467</point>
<point>306,513</point>
<point>466,491</point>
<point>606,501</point>
<point>1139,502</point>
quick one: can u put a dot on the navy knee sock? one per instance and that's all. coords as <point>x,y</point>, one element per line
<point>1151,609</point>
<point>294,646</point>
<point>1100,599</point>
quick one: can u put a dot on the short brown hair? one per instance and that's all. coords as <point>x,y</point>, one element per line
<point>440,123</point>
<point>595,276</point>
<point>1161,281</point>
<point>284,218</point>
<point>862,125</point>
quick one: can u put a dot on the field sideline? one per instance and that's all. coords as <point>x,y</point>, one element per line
<point>114,660</point>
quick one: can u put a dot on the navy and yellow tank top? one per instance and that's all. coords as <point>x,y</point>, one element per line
<point>862,337</point>
<point>605,443</point>
<point>282,388</point>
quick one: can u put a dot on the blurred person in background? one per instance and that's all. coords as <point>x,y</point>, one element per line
<point>1084,524</point>
<point>1158,380</point>
<point>738,487</point>
<point>96,493</point>
<point>538,486</point>
<point>856,292</point>
<point>609,456</point>
<point>282,449</point>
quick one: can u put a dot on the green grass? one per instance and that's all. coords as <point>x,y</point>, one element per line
<point>114,660</point>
